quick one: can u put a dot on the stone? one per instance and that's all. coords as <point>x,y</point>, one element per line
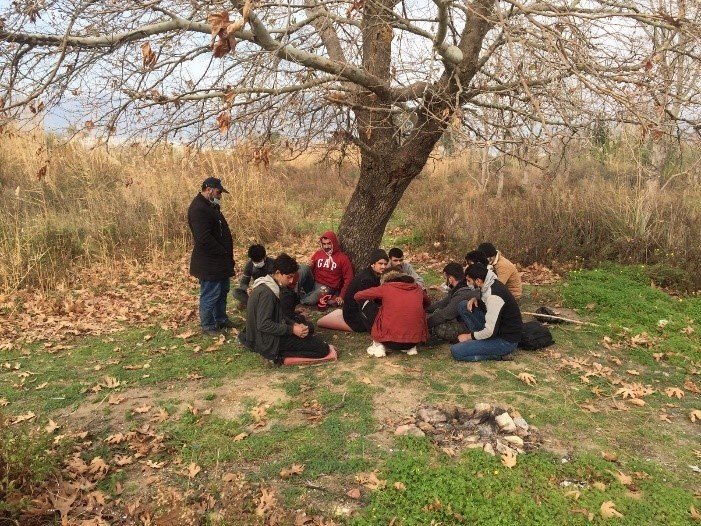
<point>427,428</point>
<point>514,440</point>
<point>432,415</point>
<point>489,449</point>
<point>505,423</point>
<point>409,430</point>
<point>520,422</point>
<point>482,408</point>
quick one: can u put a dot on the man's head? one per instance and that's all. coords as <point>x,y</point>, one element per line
<point>392,274</point>
<point>212,189</point>
<point>396,257</point>
<point>326,245</point>
<point>476,256</point>
<point>489,250</point>
<point>256,253</point>
<point>453,273</point>
<point>378,261</point>
<point>476,274</point>
<point>284,269</point>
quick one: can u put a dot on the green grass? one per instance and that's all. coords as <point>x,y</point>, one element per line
<point>353,434</point>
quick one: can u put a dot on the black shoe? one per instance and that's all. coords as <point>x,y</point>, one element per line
<point>211,332</point>
<point>228,324</point>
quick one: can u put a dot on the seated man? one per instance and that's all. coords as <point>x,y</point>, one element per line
<point>500,332</point>
<point>267,332</point>
<point>444,320</point>
<point>400,324</point>
<point>476,256</point>
<point>257,266</point>
<point>396,261</point>
<point>360,316</point>
<point>505,270</point>
<point>331,272</point>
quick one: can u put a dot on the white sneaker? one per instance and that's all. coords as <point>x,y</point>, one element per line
<point>412,351</point>
<point>377,350</point>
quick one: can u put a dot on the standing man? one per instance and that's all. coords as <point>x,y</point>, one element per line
<point>212,260</point>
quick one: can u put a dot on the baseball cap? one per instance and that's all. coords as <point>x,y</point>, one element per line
<point>213,182</point>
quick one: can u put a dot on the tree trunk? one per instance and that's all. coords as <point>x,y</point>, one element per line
<point>369,209</point>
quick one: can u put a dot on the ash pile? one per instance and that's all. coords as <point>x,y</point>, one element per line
<point>491,428</point>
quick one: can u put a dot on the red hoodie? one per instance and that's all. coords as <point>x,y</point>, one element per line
<point>334,270</point>
<point>401,318</point>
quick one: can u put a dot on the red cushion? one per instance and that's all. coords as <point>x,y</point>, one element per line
<point>331,357</point>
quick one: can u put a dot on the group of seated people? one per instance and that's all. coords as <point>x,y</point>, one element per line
<point>479,315</point>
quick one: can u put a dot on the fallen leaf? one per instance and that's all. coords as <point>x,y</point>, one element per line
<point>111,382</point>
<point>41,386</point>
<point>4,402</point>
<point>611,457</point>
<point>691,387</point>
<point>695,415</point>
<point>240,437</point>
<point>192,470</point>
<point>590,408</point>
<point>156,465</point>
<point>117,438</point>
<point>573,494</point>
<point>695,515</point>
<point>688,330</point>
<point>399,486</point>
<point>370,480</point>
<point>508,458</point>
<point>51,427</point>
<point>624,479</point>
<point>185,335</point>
<point>229,477</point>
<point>123,460</point>
<point>674,392</point>
<point>142,409</point>
<point>29,416</point>
<point>294,469</point>
<point>266,502</point>
<point>633,372</point>
<point>162,416</point>
<point>608,510</point>
<point>354,494</point>
<point>366,380</point>
<point>664,417</point>
<point>527,378</point>
<point>115,399</point>
<point>637,401</point>
<point>599,485</point>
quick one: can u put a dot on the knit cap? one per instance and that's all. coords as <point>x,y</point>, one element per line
<point>378,254</point>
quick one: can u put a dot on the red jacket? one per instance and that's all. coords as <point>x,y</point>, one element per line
<point>334,270</point>
<point>401,318</point>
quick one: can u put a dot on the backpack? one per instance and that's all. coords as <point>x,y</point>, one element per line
<point>535,335</point>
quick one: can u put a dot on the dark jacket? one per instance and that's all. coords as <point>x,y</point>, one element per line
<point>251,273</point>
<point>213,254</point>
<point>401,318</point>
<point>364,279</point>
<point>503,319</point>
<point>447,309</point>
<point>264,319</point>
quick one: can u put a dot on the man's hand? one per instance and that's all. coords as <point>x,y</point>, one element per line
<point>249,290</point>
<point>300,330</point>
<point>339,300</point>
<point>464,337</point>
<point>471,304</point>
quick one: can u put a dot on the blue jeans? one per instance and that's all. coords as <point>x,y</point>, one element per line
<point>474,320</point>
<point>213,303</point>
<point>478,350</point>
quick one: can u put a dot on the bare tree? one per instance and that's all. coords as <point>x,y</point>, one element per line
<point>501,70</point>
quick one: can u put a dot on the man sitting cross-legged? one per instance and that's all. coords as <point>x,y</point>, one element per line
<point>444,320</point>
<point>500,332</point>
<point>267,332</point>
<point>397,261</point>
<point>505,270</point>
<point>358,316</point>
<point>257,266</point>
<point>331,272</point>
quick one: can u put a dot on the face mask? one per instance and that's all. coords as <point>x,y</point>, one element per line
<point>259,265</point>
<point>216,201</point>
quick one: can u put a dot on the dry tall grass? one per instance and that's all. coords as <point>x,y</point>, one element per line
<point>127,203</point>
<point>120,204</point>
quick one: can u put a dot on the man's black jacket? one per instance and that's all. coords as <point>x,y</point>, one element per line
<point>213,255</point>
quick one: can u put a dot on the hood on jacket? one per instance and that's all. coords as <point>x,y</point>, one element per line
<point>488,281</point>
<point>329,234</point>
<point>402,285</point>
<point>269,282</point>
